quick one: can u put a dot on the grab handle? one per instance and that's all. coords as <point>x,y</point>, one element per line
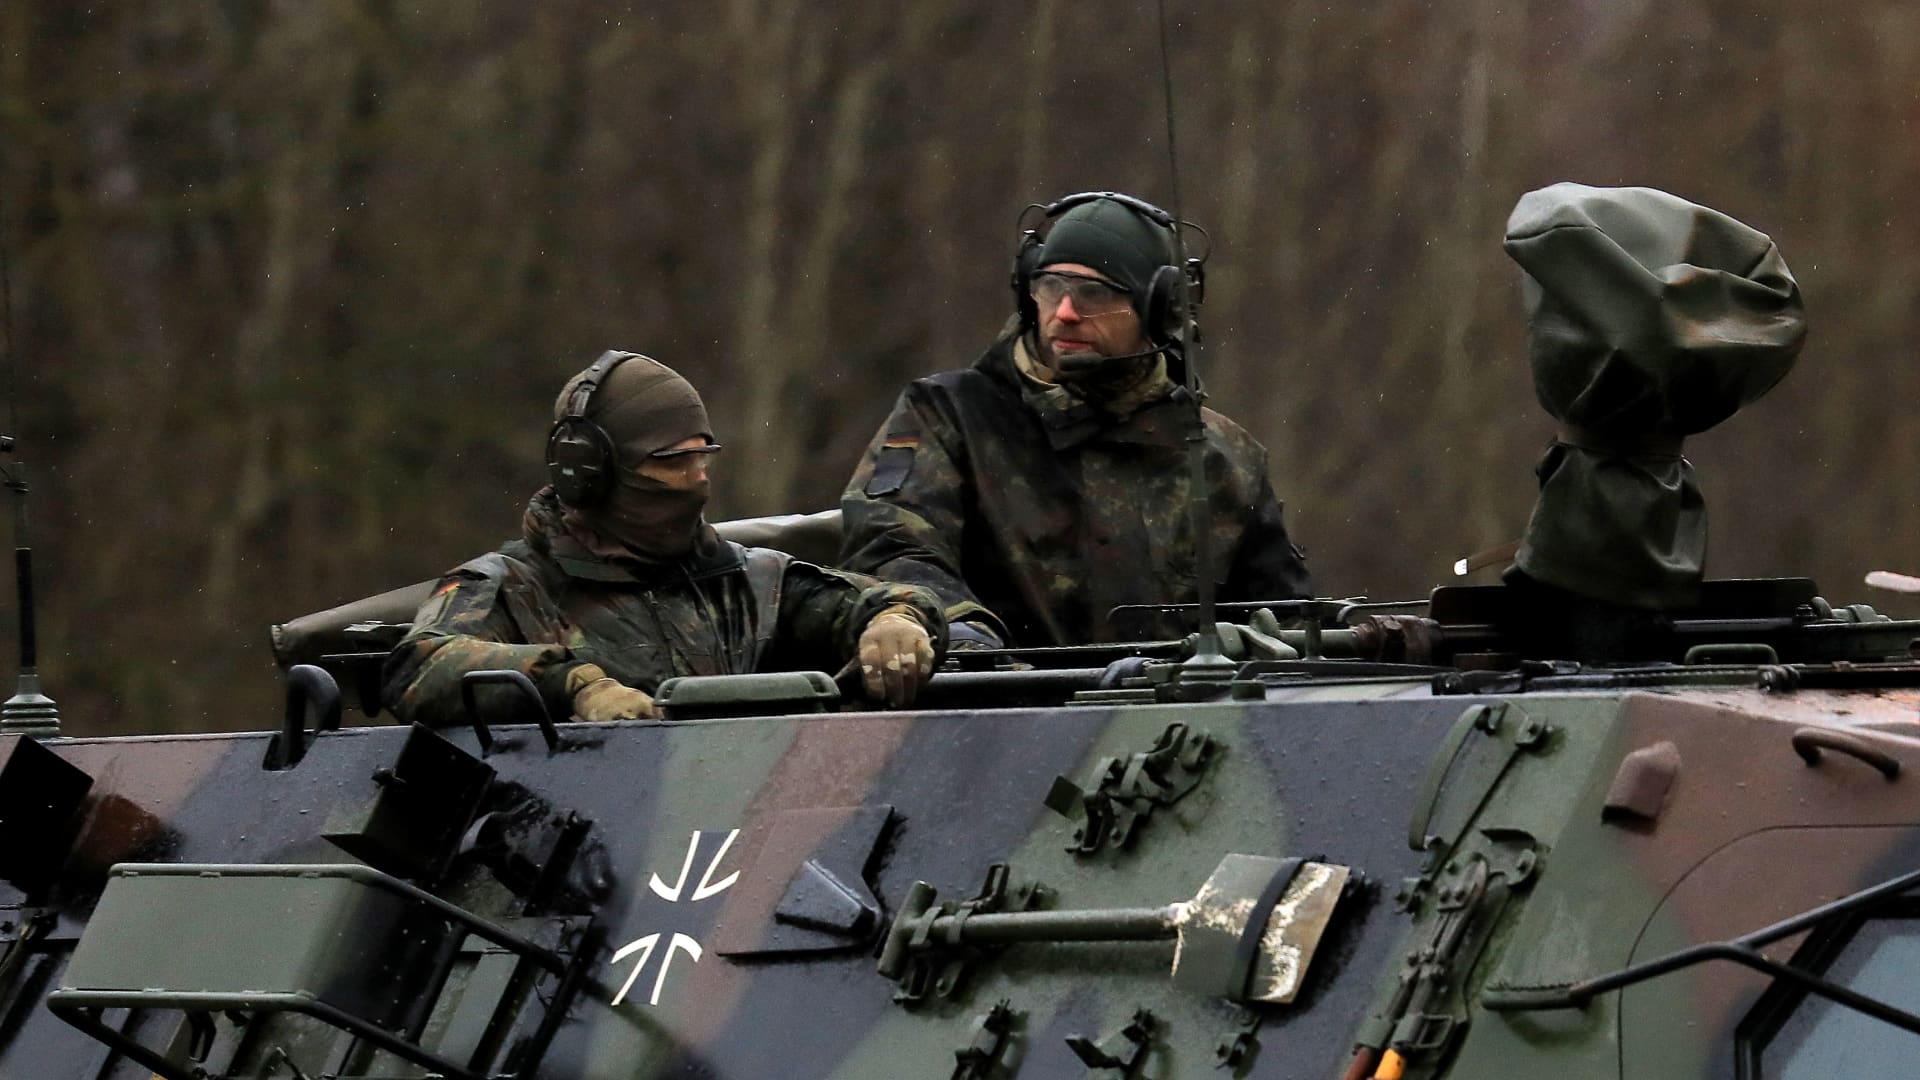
<point>1808,742</point>
<point>473,680</point>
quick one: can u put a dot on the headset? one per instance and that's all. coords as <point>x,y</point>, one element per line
<point>580,456</point>
<point>1159,308</point>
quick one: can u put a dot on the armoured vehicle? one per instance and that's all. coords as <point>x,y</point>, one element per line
<point>1509,830</point>
<point>1390,840</point>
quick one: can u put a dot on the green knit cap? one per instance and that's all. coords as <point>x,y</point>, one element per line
<point>1114,239</point>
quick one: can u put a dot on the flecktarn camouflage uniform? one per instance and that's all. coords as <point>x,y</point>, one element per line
<point>1034,512</point>
<point>547,603</point>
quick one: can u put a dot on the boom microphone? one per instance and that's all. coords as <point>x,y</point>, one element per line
<point>1081,363</point>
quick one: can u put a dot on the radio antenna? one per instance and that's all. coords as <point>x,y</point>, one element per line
<point>28,711</point>
<point>1207,663</point>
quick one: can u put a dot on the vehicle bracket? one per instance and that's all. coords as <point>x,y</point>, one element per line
<point>1125,790</point>
<point>1121,1052</point>
<point>1464,898</point>
<point>1236,1048</point>
<point>992,1034</point>
<point>926,963</point>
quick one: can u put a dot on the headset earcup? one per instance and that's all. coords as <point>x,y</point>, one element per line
<point>1161,314</point>
<point>579,462</point>
<point>580,456</point>
<point>1025,261</point>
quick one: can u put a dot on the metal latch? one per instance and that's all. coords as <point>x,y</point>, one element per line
<point>1124,791</point>
<point>1466,896</point>
<point>1236,1048</point>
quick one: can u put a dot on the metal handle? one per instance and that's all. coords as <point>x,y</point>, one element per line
<point>1099,924</point>
<point>1808,742</point>
<point>1475,718</point>
<point>311,694</point>
<point>473,680</point>
<point>1732,652</point>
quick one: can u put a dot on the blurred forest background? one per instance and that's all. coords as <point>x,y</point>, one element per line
<point>294,284</point>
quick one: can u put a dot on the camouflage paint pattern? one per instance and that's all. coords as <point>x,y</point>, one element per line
<point>1748,835</point>
<point>686,820</point>
<point>1036,513</point>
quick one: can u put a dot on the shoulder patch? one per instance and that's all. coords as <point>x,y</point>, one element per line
<point>467,589</point>
<point>892,465</point>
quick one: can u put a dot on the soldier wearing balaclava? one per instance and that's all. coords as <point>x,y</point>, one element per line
<point>617,582</point>
<point>1048,483</point>
<point>1650,319</point>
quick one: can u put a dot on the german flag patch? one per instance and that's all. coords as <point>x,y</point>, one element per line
<point>434,608</point>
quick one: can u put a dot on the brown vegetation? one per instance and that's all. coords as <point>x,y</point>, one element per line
<point>295,283</point>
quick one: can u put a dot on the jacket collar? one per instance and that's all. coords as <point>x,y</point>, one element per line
<point>580,552</point>
<point>1070,420</point>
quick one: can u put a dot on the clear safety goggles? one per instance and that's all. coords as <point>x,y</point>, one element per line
<point>1092,297</point>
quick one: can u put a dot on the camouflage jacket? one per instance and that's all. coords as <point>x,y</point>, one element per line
<point>1035,513</point>
<point>548,603</point>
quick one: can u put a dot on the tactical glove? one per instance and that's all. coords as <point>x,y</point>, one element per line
<point>598,698</point>
<point>896,656</point>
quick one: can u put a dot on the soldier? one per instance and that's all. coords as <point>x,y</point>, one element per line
<point>619,583</point>
<point>1048,483</point>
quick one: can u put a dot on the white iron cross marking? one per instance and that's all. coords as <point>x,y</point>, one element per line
<point>707,886</point>
<point>678,943</point>
<point>644,947</point>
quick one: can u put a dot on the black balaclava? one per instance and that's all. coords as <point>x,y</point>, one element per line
<point>645,406</point>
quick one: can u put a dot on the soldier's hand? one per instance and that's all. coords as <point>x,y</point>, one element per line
<point>606,699</point>
<point>896,657</point>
